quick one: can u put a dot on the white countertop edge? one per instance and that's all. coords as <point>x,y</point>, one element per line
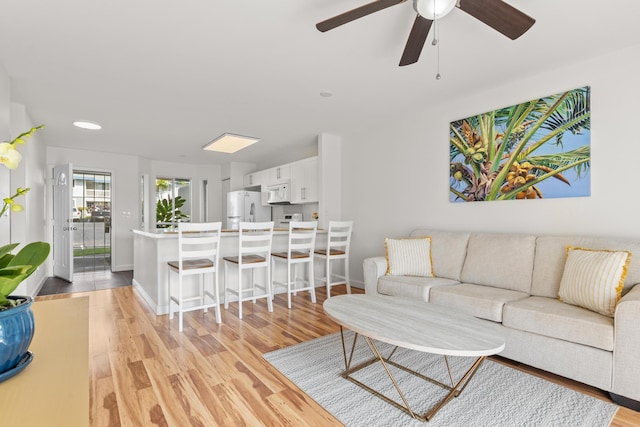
<point>229,233</point>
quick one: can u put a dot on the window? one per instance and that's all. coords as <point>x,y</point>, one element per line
<point>173,202</point>
<point>91,221</point>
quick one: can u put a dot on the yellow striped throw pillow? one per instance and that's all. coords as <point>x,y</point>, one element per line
<point>593,279</point>
<point>409,257</point>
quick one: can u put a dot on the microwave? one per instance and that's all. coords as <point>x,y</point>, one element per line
<point>279,194</point>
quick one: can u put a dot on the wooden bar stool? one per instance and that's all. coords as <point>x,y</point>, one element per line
<point>254,251</point>
<point>338,243</point>
<point>302,242</point>
<point>198,251</point>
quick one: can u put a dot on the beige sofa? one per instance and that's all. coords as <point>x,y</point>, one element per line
<point>512,281</point>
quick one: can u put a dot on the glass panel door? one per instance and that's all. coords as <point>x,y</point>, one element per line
<point>92,218</point>
<point>173,202</point>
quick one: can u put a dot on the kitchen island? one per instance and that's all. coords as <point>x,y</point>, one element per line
<point>152,251</point>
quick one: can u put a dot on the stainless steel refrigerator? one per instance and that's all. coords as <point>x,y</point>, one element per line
<point>245,206</point>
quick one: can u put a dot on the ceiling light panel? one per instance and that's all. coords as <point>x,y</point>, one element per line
<point>230,143</point>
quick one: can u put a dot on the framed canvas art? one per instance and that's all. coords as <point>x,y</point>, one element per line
<point>537,149</point>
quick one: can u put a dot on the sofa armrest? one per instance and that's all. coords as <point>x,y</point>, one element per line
<point>626,369</point>
<point>373,269</point>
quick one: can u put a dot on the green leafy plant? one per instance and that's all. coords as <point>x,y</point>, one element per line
<point>16,268</point>
<point>168,210</point>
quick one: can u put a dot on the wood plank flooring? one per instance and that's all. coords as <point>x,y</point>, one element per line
<point>145,373</point>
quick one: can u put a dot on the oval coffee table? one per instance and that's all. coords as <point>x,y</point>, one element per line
<point>414,325</point>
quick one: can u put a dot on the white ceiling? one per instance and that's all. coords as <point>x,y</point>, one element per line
<point>164,77</point>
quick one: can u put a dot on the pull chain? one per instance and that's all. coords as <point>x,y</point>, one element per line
<point>438,62</point>
<point>435,41</point>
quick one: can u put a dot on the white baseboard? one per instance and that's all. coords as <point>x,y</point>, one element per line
<point>145,296</point>
<point>357,284</point>
<point>125,267</point>
<point>38,287</point>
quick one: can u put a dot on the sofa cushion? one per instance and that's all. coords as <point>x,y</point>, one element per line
<point>485,302</point>
<point>550,317</point>
<point>594,279</point>
<point>411,287</point>
<point>551,254</point>
<point>448,251</point>
<point>500,260</point>
<point>409,257</point>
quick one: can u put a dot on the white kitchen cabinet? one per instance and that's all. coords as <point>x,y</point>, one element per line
<point>255,179</point>
<point>304,181</point>
<point>301,175</point>
<point>279,175</point>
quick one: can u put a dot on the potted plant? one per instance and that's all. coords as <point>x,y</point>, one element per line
<point>168,211</point>
<point>16,318</point>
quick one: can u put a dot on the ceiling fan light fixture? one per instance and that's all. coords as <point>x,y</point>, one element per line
<point>432,10</point>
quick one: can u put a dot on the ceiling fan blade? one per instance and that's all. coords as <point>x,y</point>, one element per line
<point>499,15</point>
<point>417,38</point>
<point>356,13</point>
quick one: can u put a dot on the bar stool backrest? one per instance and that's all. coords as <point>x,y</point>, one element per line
<point>339,237</point>
<point>198,241</point>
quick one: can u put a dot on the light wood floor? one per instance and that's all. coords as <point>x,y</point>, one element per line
<point>145,373</point>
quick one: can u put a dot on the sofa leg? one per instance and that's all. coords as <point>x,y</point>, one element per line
<point>625,401</point>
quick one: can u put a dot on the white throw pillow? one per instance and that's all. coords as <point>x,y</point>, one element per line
<point>593,279</point>
<point>409,257</point>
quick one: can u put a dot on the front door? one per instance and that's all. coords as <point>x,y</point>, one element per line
<point>63,222</point>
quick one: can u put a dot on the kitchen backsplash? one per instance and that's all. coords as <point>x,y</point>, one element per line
<point>307,210</point>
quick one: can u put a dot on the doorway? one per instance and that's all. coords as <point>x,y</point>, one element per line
<point>92,221</point>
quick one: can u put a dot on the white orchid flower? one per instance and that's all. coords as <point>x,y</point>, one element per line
<point>9,156</point>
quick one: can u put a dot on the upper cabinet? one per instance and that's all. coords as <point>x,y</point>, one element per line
<point>279,175</point>
<point>256,179</point>
<point>304,181</point>
<point>301,175</point>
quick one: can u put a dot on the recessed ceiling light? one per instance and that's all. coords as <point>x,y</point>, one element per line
<point>230,143</point>
<point>87,125</point>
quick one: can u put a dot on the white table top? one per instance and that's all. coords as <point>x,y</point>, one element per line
<point>414,325</point>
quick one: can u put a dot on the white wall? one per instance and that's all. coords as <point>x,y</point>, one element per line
<point>330,179</point>
<point>29,225</point>
<point>5,134</point>
<point>212,174</point>
<point>396,176</point>
<point>235,171</point>
<point>125,185</point>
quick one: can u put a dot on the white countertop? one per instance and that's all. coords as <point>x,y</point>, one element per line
<point>416,325</point>
<point>172,234</point>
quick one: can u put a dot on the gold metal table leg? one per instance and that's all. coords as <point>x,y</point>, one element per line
<point>454,389</point>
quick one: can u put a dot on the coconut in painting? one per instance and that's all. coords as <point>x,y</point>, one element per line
<point>534,150</point>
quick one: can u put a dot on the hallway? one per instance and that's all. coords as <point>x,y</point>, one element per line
<point>86,282</point>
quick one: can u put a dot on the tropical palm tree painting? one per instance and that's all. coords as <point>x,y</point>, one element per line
<point>540,148</point>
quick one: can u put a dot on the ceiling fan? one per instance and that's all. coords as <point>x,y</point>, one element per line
<point>497,14</point>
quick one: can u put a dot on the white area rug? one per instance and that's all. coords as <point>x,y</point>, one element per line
<point>497,396</point>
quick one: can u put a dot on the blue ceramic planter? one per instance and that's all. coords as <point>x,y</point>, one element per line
<point>16,332</point>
